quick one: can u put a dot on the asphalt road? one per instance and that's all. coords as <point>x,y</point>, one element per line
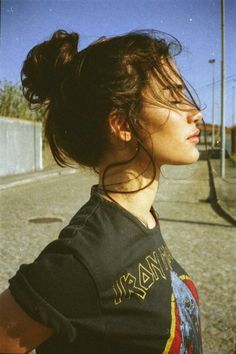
<point>200,239</point>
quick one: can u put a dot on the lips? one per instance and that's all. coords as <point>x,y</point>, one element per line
<point>194,134</point>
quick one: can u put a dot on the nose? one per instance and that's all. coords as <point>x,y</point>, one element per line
<point>195,116</point>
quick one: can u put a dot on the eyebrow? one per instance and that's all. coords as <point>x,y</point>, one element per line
<point>176,86</point>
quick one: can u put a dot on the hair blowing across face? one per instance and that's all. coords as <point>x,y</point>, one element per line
<point>80,89</point>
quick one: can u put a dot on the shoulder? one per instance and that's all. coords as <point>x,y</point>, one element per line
<point>97,219</point>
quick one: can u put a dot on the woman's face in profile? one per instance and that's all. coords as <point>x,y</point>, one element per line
<point>168,129</point>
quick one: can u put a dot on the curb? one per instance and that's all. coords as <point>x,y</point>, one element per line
<point>216,201</point>
<point>36,176</point>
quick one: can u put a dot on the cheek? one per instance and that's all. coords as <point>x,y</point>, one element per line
<point>167,142</point>
<point>173,149</point>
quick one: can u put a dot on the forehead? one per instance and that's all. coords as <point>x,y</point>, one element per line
<point>168,76</point>
<point>164,81</point>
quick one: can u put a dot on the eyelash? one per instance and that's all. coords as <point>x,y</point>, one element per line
<point>175,102</point>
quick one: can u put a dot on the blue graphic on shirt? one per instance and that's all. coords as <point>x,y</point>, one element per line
<point>188,315</point>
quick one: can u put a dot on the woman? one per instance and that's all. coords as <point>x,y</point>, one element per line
<point>109,284</point>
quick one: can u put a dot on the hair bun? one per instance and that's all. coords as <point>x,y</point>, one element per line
<point>47,64</point>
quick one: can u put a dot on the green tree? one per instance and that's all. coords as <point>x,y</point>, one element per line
<point>13,104</point>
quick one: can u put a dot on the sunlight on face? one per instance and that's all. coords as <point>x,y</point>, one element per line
<point>168,119</point>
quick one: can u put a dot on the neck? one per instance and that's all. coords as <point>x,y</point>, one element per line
<point>120,181</point>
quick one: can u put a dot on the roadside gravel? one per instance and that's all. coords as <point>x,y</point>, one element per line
<point>202,241</point>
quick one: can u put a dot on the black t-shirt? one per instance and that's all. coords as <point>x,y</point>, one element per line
<point>109,285</point>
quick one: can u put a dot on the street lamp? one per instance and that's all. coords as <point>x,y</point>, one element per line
<point>212,61</point>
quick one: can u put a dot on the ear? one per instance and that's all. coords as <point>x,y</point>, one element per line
<point>119,126</point>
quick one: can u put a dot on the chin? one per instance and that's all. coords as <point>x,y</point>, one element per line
<point>186,159</point>
<point>194,157</point>
<point>180,158</point>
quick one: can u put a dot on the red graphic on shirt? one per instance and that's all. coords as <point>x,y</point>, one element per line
<point>176,342</point>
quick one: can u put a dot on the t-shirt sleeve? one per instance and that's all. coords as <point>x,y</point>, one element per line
<point>57,290</point>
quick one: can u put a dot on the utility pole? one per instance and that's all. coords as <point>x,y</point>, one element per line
<point>222,139</point>
<point>212,61</point>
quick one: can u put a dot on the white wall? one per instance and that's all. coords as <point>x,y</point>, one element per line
<point>20,146</point>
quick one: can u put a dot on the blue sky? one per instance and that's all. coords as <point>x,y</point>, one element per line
<point>196,23</point>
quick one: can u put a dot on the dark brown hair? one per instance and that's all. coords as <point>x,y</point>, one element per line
<point>80,89</point>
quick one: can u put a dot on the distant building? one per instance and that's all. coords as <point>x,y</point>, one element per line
<point>206,133</point>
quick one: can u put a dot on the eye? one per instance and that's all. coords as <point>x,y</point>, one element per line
<point>175,102</point>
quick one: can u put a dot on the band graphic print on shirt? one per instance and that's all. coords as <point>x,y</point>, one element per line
<point>185,322</point>
<point>154,267</point>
